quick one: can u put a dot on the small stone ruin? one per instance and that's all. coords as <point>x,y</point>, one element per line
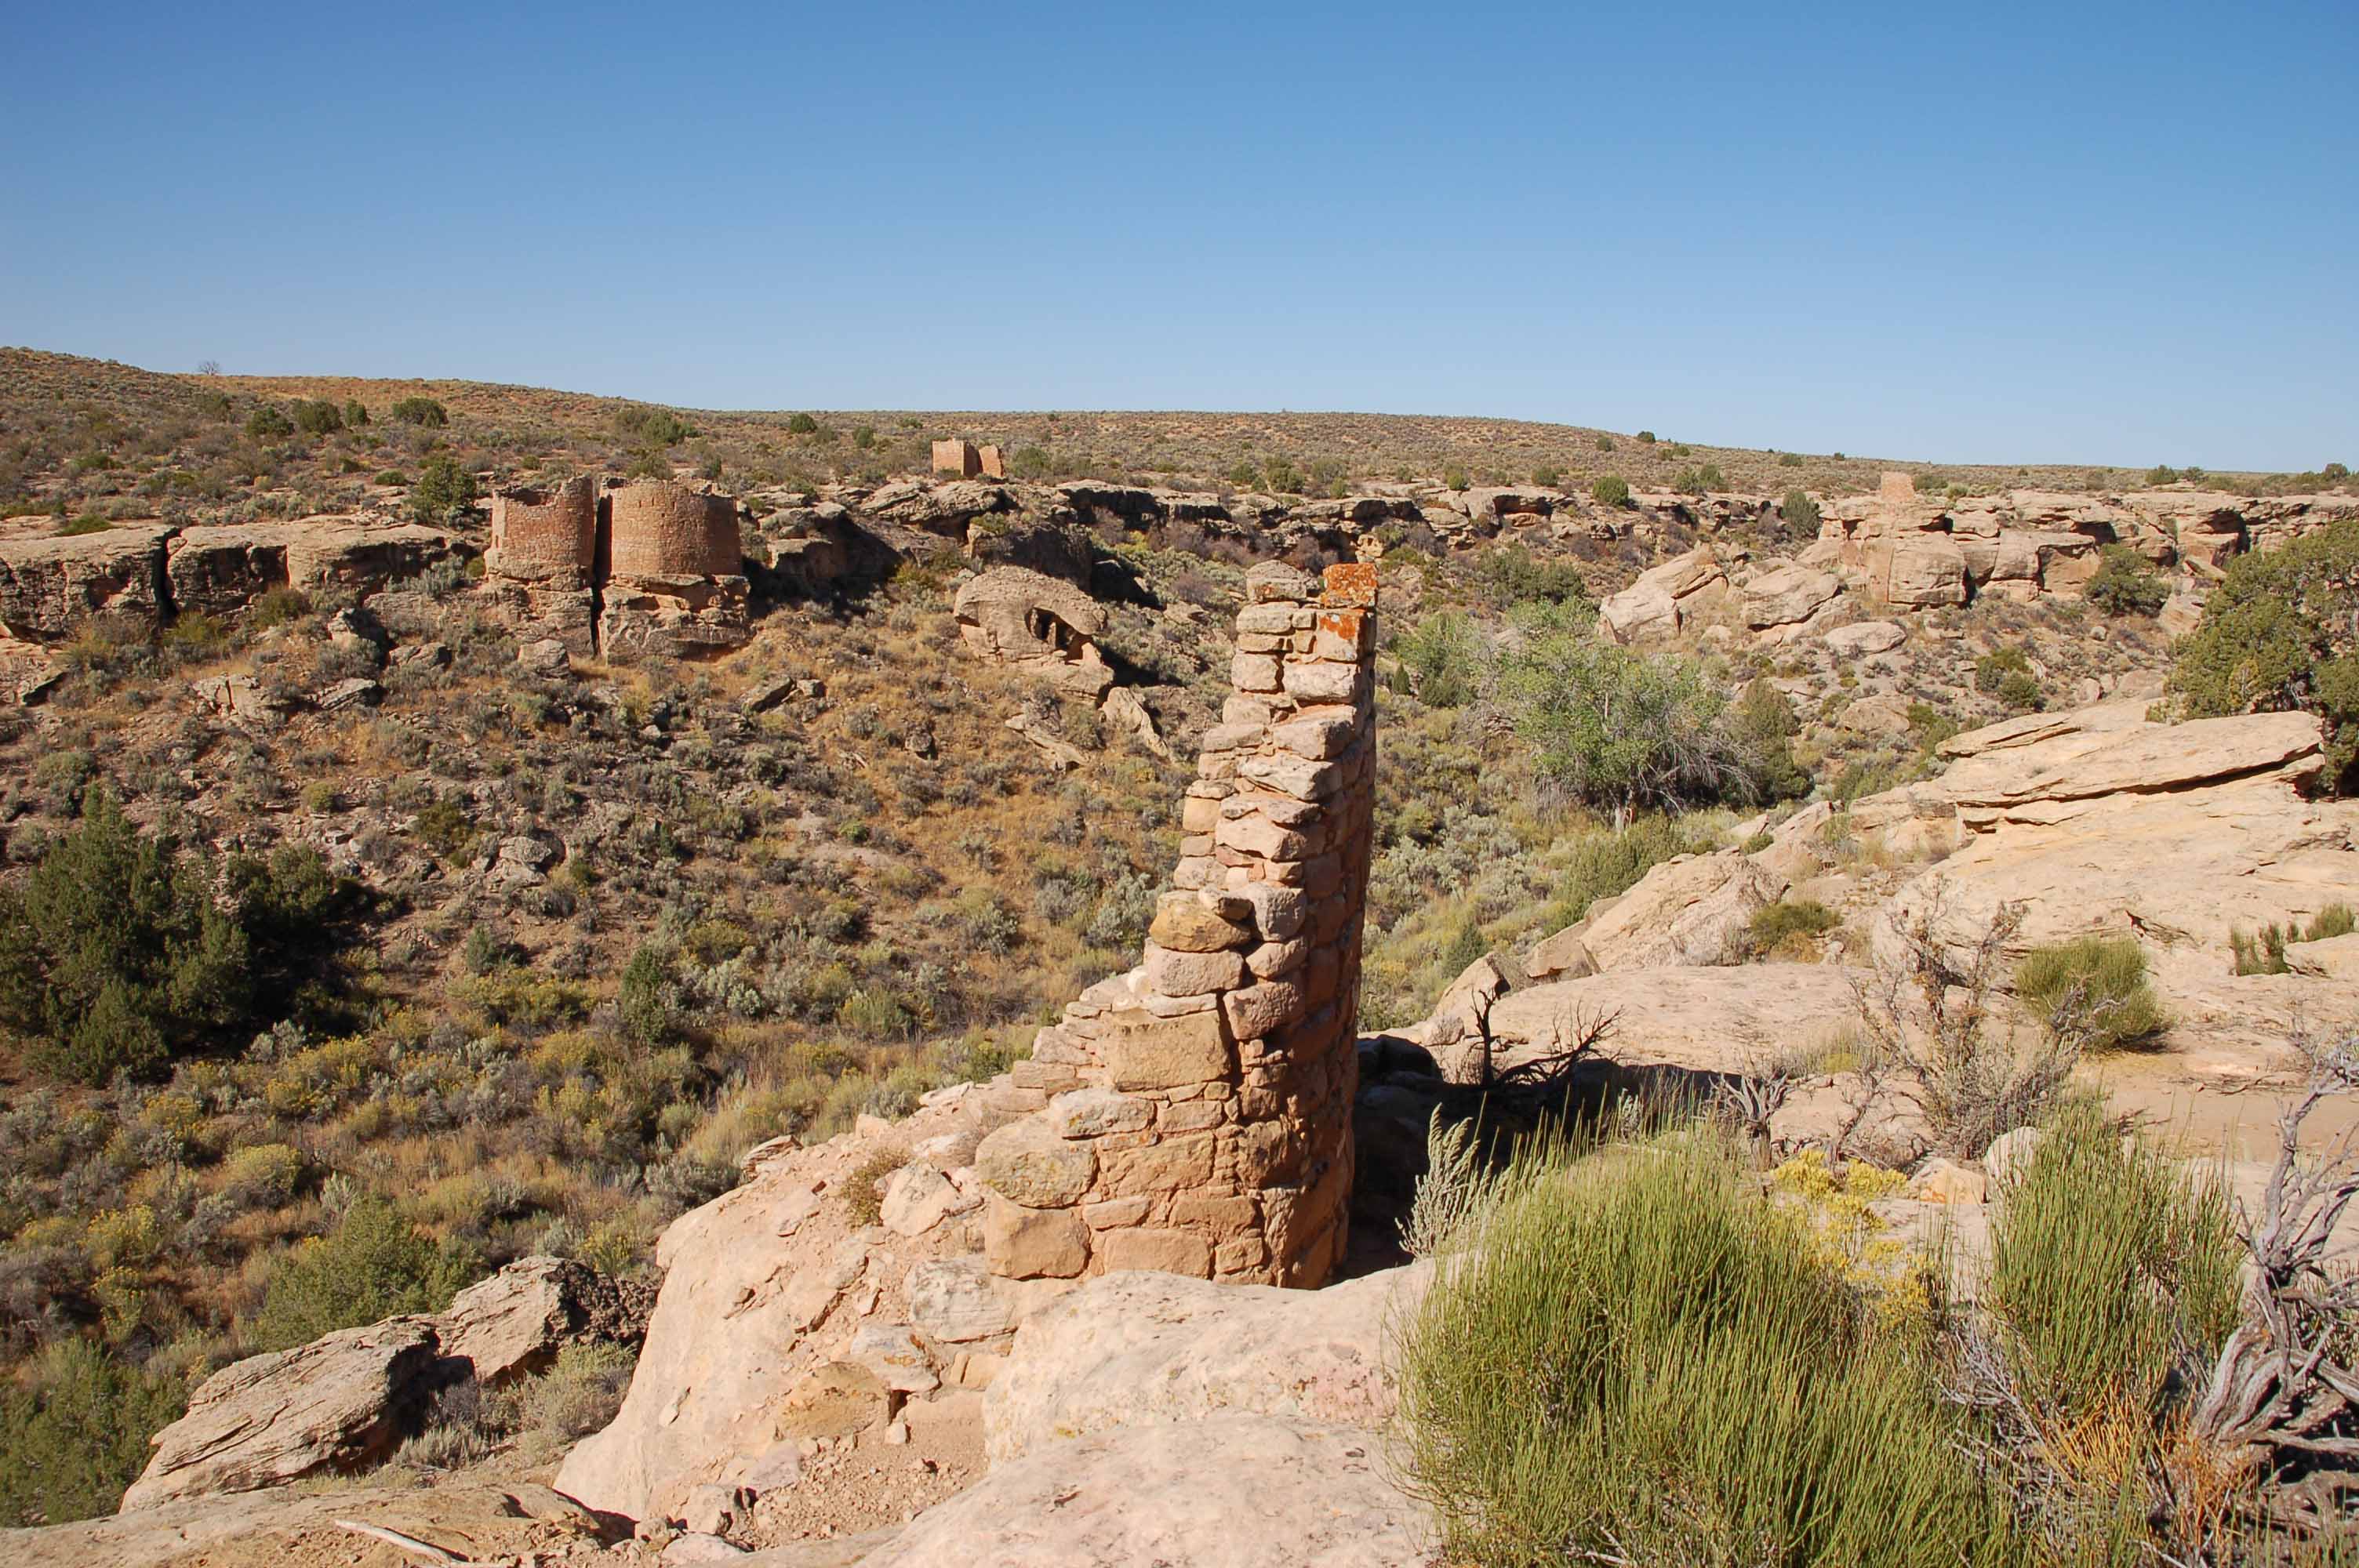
<point>964,460</point>
<point>633,567</point>
<point>1194,1115</point>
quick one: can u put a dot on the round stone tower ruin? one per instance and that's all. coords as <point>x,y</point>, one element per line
<point>649,567</point>
<point>542,554</point>
<point>1194,1115</point>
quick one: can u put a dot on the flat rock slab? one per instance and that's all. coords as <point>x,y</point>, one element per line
<point>1709,1020</point>
<point>1238,1491</point>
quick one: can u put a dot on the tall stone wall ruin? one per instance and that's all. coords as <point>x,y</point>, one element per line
<point>542,557</point>
<point>1194,1115</point>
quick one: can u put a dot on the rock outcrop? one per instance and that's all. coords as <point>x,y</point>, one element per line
<point>51,586</point>
<point>1664,598</point>
<point>334,1404</point>
<point>1038,624</point>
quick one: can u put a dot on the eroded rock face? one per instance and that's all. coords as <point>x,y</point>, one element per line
<point>516,1321</point>
<point>1038,624</point>
<point>334,1404</point>
<point>222,570</point>
<point>1664,598</point>
<point>49,587</point>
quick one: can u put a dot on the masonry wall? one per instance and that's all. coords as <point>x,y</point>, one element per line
<point>545,536</point>
<point>658,529</point>
<point>1194,1114</point>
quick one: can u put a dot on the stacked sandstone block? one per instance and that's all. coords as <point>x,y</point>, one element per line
<point>1194,1115</point>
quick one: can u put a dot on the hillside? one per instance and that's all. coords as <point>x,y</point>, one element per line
<point>408,876</point>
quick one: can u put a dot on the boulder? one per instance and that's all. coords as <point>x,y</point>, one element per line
<point>1688,910</point>
<point>1788,595</point>
<point>945,509</point>
<point>1918,569</point>
<point>1656,605</point>
<point>516,1321</point>
<point>1702,1019</point>
<point>337,1403</point>
<point>1036,624</point>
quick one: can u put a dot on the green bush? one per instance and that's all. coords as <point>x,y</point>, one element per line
<point>122,949</point>
<point>1611,490</point>
<point>1617,729</point>
<point>2113,1274</point>
<point>1799,512</point>
<point>1607,864</point>
<point>423,412</point>
<point>802,424</point>
<point>318,419</point>
<point>1775,924</point>
<point>2162,473</point>
<point>78,1425</point>
<point>88,523</point>
<point>444,493</point>
<point>1604,443</point>
<point>2006,674</point>
<point>1700,479</point>
<point>1547,475</point>
<point>2262,955</point>
<point>2335,920</point>
<point>1638,1361</point>
<point>1647,437</point>
<point>2281,631</point>
<point>1443,656</point>
<point>277,607</point>
<point>1518,577</point>
<point>2095,986</point>
<point>1454,477</point>
<point>1790,461</point>
<point>1763,723</point>
<point>2126,583</point>
<point>649,998</point>
<point>356,413</point>
<point>373,1265</point>
<point>654,426</point>
<point>269,423</point>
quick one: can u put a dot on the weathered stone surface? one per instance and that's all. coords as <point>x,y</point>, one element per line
<point>1184,925</point>
<point>1027,1161</point>
<point>334,1404</point>
<point>1143,1051</point>
<point>1094,1112</point>
<point>1022,1243</point>
<point>518,1320</point>
<point>1236,1491</point>
<point>952,1300</point>
<point>1788,595</point>
<point>835,1400</point>
<point>1136,1349</point>
<point>1169,1251</point>
<point>1689,910</point>
<point>1862,638</point>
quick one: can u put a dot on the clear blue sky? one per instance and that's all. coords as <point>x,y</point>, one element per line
<point>2121,233</point>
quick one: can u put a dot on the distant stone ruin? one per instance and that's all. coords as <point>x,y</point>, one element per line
<point>964,460</point>
<point>647,566</point>
<point>1193,1115</point>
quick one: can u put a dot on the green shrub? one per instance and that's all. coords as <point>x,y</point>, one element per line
<point>2006,674</point>
<point>1034,463</point>
<point>1282,477</point>
<point>653,427</point>
<point>1790,461</point>
<point>648,997</point>
<point>1518,577</point>
<point>373,1265</point>
<point>269,423</point>
<point>444,493</point>
<point>1607,864</point>
<point>392,476</point>
<point>263,1175</point>
<point>863,1202</point>
<point>2281,631</point>
<point>1774,925</point>
<point>122,950</point>
<point>580,1394</point>
<point>1611,490</point>
<point>1639,1361</point>
<point>802,424</point>
<point>2335,920</point>
<point>2096,987</point>
<point>77,1427</point>
<point>1454,477</point>
<point>1444,657</point>
<point>318,419</point>
<point>1700,479</point>
<point>2162,473</point>
<point>1604,443</point>
<point>2111,1271</point>
<point>423,412</point>
<point>1799,512</point>
<point>443,826</point>
<point>277,607</point>
<point>1615,727</point>
<point>2262,955</point>
<point>88,523</point>
<point>2126,583</point>
<point>1763,723</point>
<point>356,413</point>
<point>1647,437</point>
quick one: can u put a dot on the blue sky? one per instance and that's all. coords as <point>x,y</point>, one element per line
<point>2087,232</point>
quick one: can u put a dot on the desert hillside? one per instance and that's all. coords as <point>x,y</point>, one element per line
<point>584,982</point>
